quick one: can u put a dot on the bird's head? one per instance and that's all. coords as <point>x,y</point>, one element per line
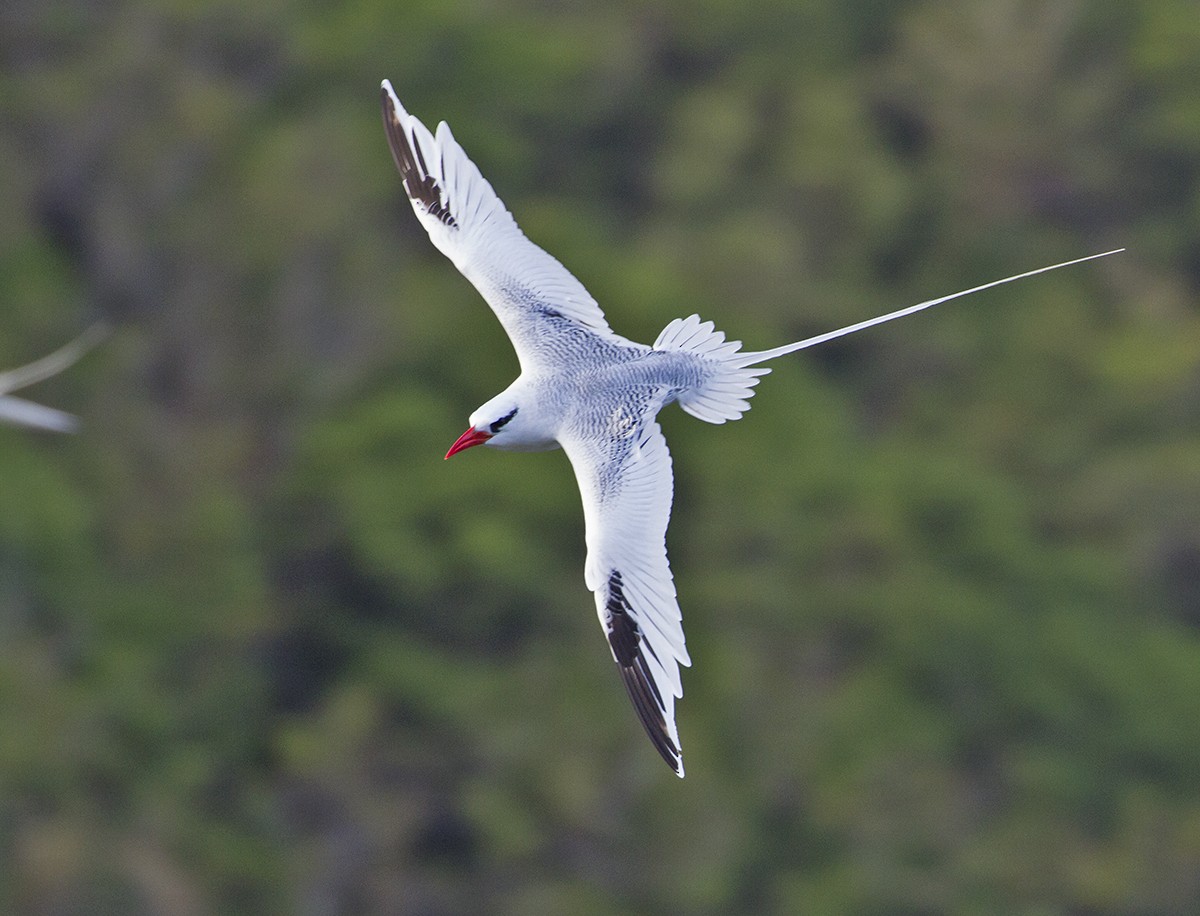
<point>505,422</point>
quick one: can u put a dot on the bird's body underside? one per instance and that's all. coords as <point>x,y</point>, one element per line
<point>595,394</point>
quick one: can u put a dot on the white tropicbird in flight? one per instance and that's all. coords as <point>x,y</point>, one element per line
<point>21,412</point>
<point>597,395</point>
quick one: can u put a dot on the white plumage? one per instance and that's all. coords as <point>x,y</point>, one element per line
<point>596,395</point>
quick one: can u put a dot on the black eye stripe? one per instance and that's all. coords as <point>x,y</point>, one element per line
<point>499,424</point>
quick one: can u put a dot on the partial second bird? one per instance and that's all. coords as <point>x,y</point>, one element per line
<point>596,395</point>
<point>20,412</point>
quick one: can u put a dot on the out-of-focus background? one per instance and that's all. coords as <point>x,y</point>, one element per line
<point>262,651</point>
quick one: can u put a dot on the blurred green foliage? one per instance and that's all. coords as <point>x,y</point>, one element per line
<point>262,651</point>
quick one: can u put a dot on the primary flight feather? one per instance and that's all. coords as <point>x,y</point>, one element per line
<point>597,396</point>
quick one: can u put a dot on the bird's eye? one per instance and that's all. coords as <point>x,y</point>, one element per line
<point>499,424</point>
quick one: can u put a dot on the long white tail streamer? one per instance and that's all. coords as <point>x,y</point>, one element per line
<point>900,313</point>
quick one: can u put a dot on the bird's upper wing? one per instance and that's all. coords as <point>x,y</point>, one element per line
<point>625,481</point>
<point>56,362</point>
<point>532,294</point>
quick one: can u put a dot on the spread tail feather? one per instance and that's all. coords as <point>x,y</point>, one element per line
<point>725,393</point>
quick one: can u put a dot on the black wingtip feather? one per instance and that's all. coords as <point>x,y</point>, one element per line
<point>406,153</point>
<point>642,692</point>
<point>627,644</point>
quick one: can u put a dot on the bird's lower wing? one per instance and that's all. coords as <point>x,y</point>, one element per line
<point>20,412</point>
<point>532,294</point>
<point>626,484</point>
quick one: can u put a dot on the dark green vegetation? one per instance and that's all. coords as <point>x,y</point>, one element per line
<point>262,651</point>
